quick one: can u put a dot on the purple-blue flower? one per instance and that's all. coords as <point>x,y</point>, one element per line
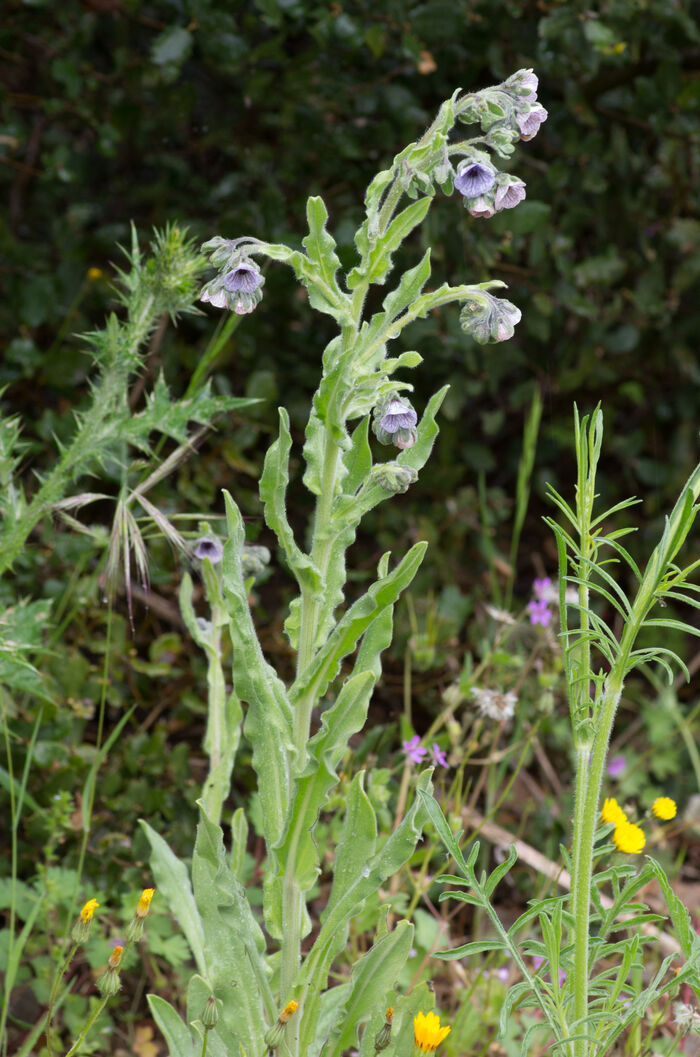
<point>530,120</point>
<point>540,613</point>
<point>509,192</point>
<point>438,756</point>
<point>474,179</point>
<point>616,766</point>
<point>244,278</point>
<point>414,750</point>
<point>206,547</point>
<point>398,416</point>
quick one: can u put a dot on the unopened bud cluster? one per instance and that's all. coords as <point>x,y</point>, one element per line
<point>507,113</point>
<point>487,318</point>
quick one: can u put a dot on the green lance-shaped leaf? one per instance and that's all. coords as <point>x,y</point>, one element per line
<point>349,509</point>
<point>268,724</point>
<point>378,260</point>
<point>233,941</point>
<point>372,977</point>
<point>325,665</point>
<point>273,488</point>
<point>327,412</point>
<point>358,874</point>
<point>172,1027</point>
<point>357,460</point>
<point>173,883</point>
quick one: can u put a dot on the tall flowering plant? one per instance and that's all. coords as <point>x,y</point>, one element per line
<point>254,966</point>
<point>593,989</point>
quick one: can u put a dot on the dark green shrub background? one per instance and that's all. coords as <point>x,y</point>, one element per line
<point>225,116</point>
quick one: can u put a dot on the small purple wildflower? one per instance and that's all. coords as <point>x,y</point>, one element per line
<point>509,193</point>
<point>206,547</point>
<point>616,766</point>
<point>438,756</point>
<point>530,120</point>
<point>474,179</point>
<point>244,278</point>
<point>414,750</point>
<point>540,613</point>
<point>542,589</point>
<point>503,974</point>
<point>398,416</point>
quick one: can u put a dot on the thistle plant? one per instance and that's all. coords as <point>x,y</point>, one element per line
<point>275,995</point>
<point>592,991</point>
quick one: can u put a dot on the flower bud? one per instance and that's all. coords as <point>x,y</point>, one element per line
<point>529,121</point>
<point>274,1035</point>
<point>210,1014</point>
<point>393,477</point>
<point>488,319</point>
<point>109,983</point>
<point>135,930</point>
<point>383,1036</point>
<point>481,207</point>
<point>81,929</point>
<point>522,85</point>
<point>254,558</point>
<point>509,191</point>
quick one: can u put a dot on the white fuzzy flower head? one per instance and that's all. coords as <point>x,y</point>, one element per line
<point>494,704</point>
<point>686,1018</point>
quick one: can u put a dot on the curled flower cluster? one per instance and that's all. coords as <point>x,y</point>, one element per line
<point>239,289</point>
<point>627,836</point>
<point>238,284</point>
<point>494,704</point>
<point>394,422</point>
<point>487,318</point>
<point>507,112</point>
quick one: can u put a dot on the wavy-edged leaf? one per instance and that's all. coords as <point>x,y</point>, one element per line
<point>378,261</point>
<point>324,667</point>
<point>273,489</point>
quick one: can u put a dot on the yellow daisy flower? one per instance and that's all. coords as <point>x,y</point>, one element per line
<point>144,902</point>
<point>427,1031</point>
<point>612,812</point>
<point>629,838</point>
<point>664,808</point>
<point>88,910</point>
